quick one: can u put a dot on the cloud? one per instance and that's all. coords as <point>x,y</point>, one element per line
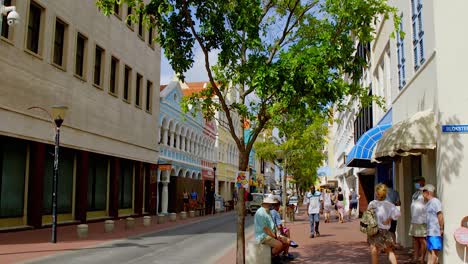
<point>196,74</point>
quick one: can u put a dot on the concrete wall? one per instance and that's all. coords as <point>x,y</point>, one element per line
<point>96,121</point>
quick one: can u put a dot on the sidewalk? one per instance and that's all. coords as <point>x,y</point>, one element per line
<point>21,246</point>
<point>338,243</point>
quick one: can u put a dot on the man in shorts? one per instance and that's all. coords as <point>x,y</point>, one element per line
<point>418,221</point>
<point>434,222</point>
<point>353,202</point>
<point>265,229</point>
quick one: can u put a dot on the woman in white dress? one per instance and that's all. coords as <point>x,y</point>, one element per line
<point>327,205</point>
<point>386,212</point>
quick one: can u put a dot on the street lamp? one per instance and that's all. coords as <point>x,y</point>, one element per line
<point>57,115</point>
<point>214,190</point>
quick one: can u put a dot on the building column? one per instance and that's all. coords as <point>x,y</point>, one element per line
<point>182,143</point>
<point>164,198</point>
<point>171,143</point>
<point>164,139</point>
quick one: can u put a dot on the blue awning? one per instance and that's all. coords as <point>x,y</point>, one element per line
<point>360,155</point>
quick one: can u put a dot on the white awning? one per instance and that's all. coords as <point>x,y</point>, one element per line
<point>411,136</point>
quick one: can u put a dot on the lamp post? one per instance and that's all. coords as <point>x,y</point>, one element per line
<point>214,191</point>
<point>56,115</point>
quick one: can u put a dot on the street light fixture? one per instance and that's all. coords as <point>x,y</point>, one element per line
<point>57,115</point>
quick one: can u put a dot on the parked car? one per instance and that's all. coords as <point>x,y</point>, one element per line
<point>252,206</point>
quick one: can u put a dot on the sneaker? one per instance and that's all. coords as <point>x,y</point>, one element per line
<point>288,256</point>
<point>312,235</point>
<point>293,244</point>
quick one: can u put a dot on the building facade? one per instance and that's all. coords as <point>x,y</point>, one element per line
<point>104,70</point>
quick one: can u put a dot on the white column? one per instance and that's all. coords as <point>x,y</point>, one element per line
<point>164,139</point>
<point>171,144</point>
<point>182,142</point>
<point>164,198</point>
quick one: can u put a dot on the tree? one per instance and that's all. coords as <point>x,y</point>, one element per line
<point>277,55</point>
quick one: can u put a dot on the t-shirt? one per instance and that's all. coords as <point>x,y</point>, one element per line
<point>194,195</point>
<point>313,200</point>
<point>384,210</point>
<point>262,219</point>
<point>418,209</point>
<point>433,207</point>
<point>327,199</point>
<point>276,217</point>
<point>354,198</point>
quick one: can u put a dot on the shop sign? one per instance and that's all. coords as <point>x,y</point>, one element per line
<point>165,167</point>
<point>455,128</point>
<point>461,235</point>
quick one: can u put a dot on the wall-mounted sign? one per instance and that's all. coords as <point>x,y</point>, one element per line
<point>455,129</point>
<point>165,167</point>
<point>461,235</point>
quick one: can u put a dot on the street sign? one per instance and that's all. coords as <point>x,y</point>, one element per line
<point>455,129</point>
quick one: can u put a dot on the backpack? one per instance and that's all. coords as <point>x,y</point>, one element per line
<point>369,224</point>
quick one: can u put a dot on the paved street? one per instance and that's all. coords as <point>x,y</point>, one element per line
<point>202,242</point>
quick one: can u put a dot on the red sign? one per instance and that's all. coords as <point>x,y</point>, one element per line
<point>461,235</point>
<point>165,167</point>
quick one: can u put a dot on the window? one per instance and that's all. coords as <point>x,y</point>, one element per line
<point>150,36</point>
<point>117,10</point>
<point>363,122</point>
<point>127,77</point>
<point>97,183</point>
<point>114,76</point>
<point>129,19</point>
<point>401,56</point>
<point>139,80</point>
<point>418,33</point>
<point>98,69</point>
<point>140,26</point>
<point>34,28</point>
<point>5,28</point>
<point>149,96</point>
<point>59,42</point>
<point>125,184</point>
<point>13,155</point>
<point>80,59</point>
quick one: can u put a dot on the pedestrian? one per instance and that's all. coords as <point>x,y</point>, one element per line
<point>327,205</point>
<point>265,230</point>
<point>194,195</point>
<point>339,204</point>
<point>353,202</point>
<point>385,212</point>
<point>282,233</point>
<point>313,200</point>
<point>393,197</point>
<point>185,199</point>
<point>418,221</point>
<point>434,223</point>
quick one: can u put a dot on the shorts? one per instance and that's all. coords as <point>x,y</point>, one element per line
<point>186,200</point>
<point>434,243</point>
<point>417,230</point>
<point>383,239</point>
<point>352,205</point>
<point>393,226</point>
<point>269,241</point>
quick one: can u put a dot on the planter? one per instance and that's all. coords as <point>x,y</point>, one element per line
<point>82,231</point>
<point>183,215</point>
<point>172,217</point>
<point>147,220</point>
<point>161,219</point>
<point>130,222</point>
<point>191,213</point>
<point>109,226</point>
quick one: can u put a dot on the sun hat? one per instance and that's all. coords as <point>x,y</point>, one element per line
<point>428,187</point>
<point>269,200</point>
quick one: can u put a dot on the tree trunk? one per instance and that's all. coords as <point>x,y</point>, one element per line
<point>240,256</point>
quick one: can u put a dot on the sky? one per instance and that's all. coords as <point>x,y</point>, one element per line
<point>196,74</point>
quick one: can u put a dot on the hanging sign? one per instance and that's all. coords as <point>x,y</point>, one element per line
<point>455,128</point>
<point>165,167</point>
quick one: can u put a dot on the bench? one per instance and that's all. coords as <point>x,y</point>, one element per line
<point>257,253</point>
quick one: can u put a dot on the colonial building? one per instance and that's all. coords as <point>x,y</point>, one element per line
<point>186,149</point>
<point>106,71</point>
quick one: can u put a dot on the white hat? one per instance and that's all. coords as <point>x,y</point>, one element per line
<point>270,200</point>
<point>351,189</point>
<point>428,187</point>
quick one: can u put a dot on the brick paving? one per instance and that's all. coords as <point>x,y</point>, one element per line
<point>23,246</point>
<point>338,243</point>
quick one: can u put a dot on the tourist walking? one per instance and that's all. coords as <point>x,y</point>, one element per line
<point>418,221</point>
<point>313,199</point>
<point>340,205</point>
<point>327,205</point>
<point>385,213</point>
<point>434,222</point>
<point>353,202</point>
<point>185,199</point>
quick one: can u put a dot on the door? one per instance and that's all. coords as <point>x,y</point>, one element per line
<point>366,191</point>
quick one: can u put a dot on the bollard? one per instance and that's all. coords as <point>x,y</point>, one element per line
<point>82,231</point>
<point>161,219</point>
<point>172,217</point>
<point>191,213</point>
<point>108,226</point>
<point>183,215</point>
<point>146,220</point>
<point>130,223</point>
